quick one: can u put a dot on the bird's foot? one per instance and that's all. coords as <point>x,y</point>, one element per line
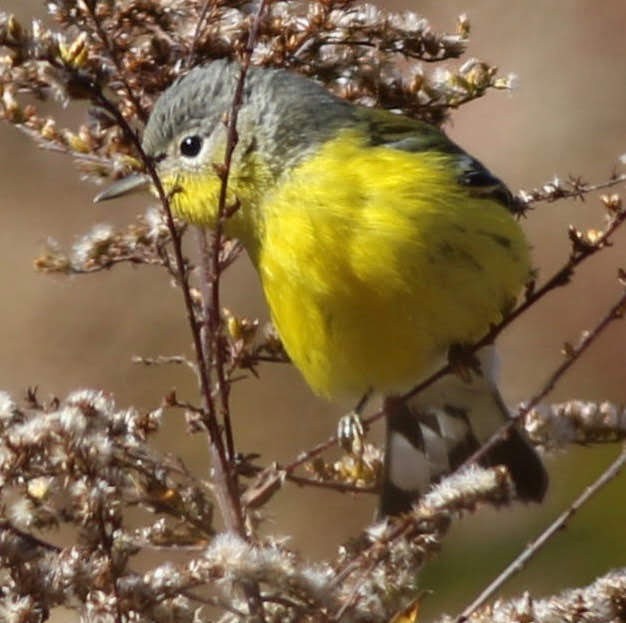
<point>351,434</point>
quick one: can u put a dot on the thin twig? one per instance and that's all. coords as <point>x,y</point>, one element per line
<point>554,191</point>
<point>211,257</point>
<point>532,548</point>
<point>112,52</point>
<point>189,60</point>
<point>103,517</point>
<point>213,355</point>
<point>353,597</point>
<point>423,57</point>
<point>343,487</point>
<point>180,360</point>
<point>31,539</point>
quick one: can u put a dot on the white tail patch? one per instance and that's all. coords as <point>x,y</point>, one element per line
<point>409,469</point>
<point>436,451</point>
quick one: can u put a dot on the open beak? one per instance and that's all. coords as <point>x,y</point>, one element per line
<point>125,186</point>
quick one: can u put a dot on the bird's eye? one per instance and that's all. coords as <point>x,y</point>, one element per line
<point>190,146</point>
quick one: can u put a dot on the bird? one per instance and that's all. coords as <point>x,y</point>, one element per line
<point>380,245</point>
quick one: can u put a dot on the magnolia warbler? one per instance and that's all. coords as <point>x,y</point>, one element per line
<point>380,244</point>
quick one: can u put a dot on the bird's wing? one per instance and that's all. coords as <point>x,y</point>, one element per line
<point>400,132</point>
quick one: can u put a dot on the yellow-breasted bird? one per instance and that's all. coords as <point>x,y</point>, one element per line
<point>380,244</point>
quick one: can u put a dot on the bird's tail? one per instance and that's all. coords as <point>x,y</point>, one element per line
<point>434,433</point>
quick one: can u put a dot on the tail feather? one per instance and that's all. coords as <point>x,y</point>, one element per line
<point>431,436</point>
<point>526,469</point>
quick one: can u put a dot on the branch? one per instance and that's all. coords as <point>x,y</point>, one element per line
<point>555,189</point>
<point>211,263</point>
<point>191,56</point>
<point>213,354</point>
<point>535,546</point>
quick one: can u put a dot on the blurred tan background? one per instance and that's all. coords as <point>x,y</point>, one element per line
<point>567,116</point>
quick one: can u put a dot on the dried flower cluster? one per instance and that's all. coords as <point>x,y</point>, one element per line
<point>143,242</point>
<point>599,602</point>
<point>138,48</point>
<point>576,421</point>
<point>84,464</point>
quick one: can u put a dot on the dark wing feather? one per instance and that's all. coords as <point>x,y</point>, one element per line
<point>399,132</point>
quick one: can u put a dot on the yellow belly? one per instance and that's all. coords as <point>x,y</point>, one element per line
<point>374,261</point>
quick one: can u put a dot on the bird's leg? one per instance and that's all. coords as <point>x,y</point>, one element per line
<point>350,430</point>
<point>464,362</point>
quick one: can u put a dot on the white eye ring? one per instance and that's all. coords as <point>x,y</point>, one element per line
<point>190,146</point>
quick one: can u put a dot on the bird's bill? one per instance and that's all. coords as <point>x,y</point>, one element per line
<point>125,186</point>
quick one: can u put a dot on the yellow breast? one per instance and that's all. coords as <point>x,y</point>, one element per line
<point>374,261</point>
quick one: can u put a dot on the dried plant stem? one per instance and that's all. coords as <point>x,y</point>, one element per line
<point>213,354</point>
<point>199,25</point>
<point>577,189</point>
<point>29,540</point>
<point>423,527</point>
<point>113,55</point>
<point>611,472</point>
<point>343,487</point>
<point>211,253</point>
<point>232,516</point>
<point>353,596</point>
<point>165,359</point>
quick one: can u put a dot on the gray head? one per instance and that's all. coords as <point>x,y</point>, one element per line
<point>282,116</point>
